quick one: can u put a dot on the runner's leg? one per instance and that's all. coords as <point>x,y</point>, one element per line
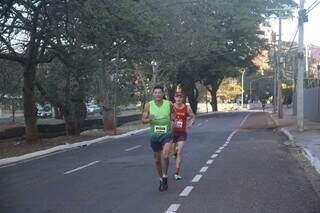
<point>157,161</point>
<point>166,153</point>
<point>180,145</point>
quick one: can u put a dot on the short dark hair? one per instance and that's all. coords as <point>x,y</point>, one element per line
<point>158,87</point>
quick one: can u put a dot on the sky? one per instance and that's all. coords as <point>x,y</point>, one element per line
<point>311,28</point>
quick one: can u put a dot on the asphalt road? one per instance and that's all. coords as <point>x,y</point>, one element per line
<point>227,169</point>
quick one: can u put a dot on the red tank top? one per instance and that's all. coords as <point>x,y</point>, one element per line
<point>181,115</point>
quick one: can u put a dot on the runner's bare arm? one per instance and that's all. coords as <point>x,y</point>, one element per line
<point>192,115</point>
<point>172,112</point>
<point>146,117</point>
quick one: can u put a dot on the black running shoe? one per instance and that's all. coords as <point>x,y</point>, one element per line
<point>165,184</point>
<point>161,186</point>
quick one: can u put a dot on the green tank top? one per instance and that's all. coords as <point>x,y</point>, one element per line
<point>162,122</point>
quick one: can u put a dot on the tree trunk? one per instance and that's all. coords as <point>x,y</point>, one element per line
<point>214,102</point>
<point>108,120</point>
<point>30,117</point>
<point>74,116</point>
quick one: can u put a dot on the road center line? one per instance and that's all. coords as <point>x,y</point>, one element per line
<point>173,208</point>
<point>209,161</point>
<point>132,148</point>
<point>218,151</point>
<point>196,178</point>
<point>81,167</point>
<point>244,120</point>
<point>214,156</point>
<point>204,169</point>
<point>186,191</point>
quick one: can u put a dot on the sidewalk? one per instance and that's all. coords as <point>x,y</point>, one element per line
<point>309,140</point>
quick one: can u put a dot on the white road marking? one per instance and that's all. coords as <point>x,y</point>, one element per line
<point>218,151</point>
<point>132,148</point>
<point>244,120</point>
<point>204,169</point>
<point>81,167</point>
<point>209,161</point>
<point>221,148</point>
<point>173,208</point>
<point>199,124</point>
<point>196,178</point>
<point>214,156</point>
<point>186,191</point>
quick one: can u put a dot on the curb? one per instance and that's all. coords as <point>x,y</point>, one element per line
<point>286,132</point>
<point>315,162</point>
<point>10,160</point>
<point>282,130</point>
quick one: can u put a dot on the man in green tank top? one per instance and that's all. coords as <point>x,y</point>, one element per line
<point>158,114</point>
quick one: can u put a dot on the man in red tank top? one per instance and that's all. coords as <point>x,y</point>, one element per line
<point>182,112</point>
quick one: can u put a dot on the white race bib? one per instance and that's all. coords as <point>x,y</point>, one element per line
<point>179,124</point>
<point>159,129</point>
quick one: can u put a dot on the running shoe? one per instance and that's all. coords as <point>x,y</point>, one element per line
<point>177,176</point>
<point>165,183</point>
<point>161,185</point>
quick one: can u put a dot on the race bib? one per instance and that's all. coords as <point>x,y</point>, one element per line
<point>160,129</point>
<point>179,124</point>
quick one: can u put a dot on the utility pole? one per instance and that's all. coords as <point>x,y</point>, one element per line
<point>275,77</point>
<point>280,71</point>
<point>301,68</point>
<point>242,92</point>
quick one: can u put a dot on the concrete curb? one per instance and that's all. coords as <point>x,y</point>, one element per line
<point>283,131</point>
<point>315,162</point>
<point>16,159</point>
<point>286,132</point>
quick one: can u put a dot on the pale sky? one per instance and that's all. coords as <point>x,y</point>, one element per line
<point>311,28</point>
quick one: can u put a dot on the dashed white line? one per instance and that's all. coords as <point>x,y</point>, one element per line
<point>218,151</point>
<point>244,120</point>
<point>132,148</point>
<point>81,167</point>
<point>173,208</point>
<point>204,169</point>
<point>186,191</point>
<point>209,161</point>
<point>196,178</point>
<point>214,156</point>
<point>221,148</point>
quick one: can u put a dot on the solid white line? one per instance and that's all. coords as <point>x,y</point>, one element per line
<point>173,208</point>
<point>204,169</point>
<point>132,148</point>
<point>81,167</point>
<point>218,151</point>
<point>186,191</point>
<point>214,156</point>
<point>209,161</point>
<point>196,178</point>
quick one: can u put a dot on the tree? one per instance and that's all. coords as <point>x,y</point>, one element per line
<point>24,38</point>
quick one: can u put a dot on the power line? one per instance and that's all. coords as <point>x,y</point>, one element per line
<point>291,44</point>
<point>312,6</point>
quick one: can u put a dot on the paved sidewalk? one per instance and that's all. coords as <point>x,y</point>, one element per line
<point>309,139</point>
